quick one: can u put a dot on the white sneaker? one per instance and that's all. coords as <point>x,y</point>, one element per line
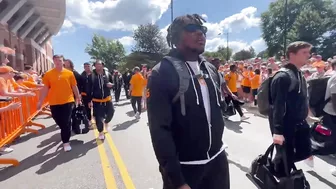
<point>137,115</point>
<point>5,150</point>
<point>333,171</point>
<point>101,136</point>
<point>67,147</point>
<point>309,162</point>
<point>243,118</point>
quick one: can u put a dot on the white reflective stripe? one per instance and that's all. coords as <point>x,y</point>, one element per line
<point>202,162</point>
<point>210,139</point>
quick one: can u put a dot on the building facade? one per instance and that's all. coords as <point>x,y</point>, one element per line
<point>27,26</point>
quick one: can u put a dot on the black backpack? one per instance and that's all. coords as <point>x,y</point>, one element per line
<point>80,122</point>
<point>316,93</point>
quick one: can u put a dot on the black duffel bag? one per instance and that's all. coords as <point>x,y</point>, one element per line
<point>261,173</point>
<point>80,122</point>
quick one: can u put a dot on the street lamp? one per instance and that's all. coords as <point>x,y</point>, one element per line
<point>227,45</point>
<point>172,10</point>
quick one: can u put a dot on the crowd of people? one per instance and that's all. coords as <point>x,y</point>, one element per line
<point>186,96</point>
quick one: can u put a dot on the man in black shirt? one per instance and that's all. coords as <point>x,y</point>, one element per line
<point>187,133</point>
<point>287,118</point>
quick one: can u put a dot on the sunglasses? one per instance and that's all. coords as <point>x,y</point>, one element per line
<point>194,27</point>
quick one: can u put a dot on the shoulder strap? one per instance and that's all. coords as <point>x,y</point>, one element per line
<point>184,79</point>
<point>292,76</point>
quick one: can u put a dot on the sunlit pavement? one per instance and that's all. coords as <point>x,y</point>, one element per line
<point>126,158</point>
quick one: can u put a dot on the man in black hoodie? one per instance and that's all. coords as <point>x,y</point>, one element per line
<point>85,75</point>
<point>99,95</point>
<point>287,117</point>
<point>187,133</point>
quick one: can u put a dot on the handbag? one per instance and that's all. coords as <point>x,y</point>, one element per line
<point>322,139</point>
<point>261,173</point>
<point>230,109</point>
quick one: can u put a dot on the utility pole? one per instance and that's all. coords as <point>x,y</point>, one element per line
<point>227,46</point>
<point>285,27</point>
<point>172,10</point>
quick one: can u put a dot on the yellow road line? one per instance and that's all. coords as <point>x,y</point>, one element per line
<point>120,163</point>
<point>107,171</point>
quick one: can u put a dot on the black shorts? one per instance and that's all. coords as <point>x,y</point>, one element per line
<point>246,89</point>
<point>254,92</point>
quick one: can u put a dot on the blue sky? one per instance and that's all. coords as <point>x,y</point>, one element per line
<point>116,19</point>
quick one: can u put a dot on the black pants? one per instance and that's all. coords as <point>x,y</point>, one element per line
<point>213,175</point>
<point>117,92</point>
<point>136,103</point>
<point>235,104</point>
<point>297,146</point>
<point>62,116</point>
<point>87,108</point>
<point>126,88</point>
<point>101,111</point>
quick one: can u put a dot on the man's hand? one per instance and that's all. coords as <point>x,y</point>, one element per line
<point>109,85</point>
<point>78,101</point>
<point>234,96</point>
<point>30,94</point>
<point>185,186</point>
<point>14,106</point>
<point>39,105</point>
<point>278,139</point>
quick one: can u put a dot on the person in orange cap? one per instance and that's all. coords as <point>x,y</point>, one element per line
<point>6,74</point>
<point>319,70</point>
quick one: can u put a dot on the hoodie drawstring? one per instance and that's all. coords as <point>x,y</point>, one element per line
<point>193,82</point>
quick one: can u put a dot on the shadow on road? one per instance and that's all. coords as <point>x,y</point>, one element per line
<point>325,181</point>
<point>125,125</point>
<point>234,126</point>
<point>123,104</point>
<point>41,132</point>
<point>49,160</point>
<point>330,160</point>
<point>241,167</point>
<point>130,113</point>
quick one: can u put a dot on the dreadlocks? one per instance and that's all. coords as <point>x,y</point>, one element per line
<point>175,28</point>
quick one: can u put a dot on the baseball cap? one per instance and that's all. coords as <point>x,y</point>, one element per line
<point>6,69</point>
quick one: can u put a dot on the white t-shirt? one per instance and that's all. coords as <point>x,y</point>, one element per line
<point>204,88</point>
<point>331,89</point>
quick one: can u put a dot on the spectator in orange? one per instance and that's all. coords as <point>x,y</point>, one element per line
<point>246,83</point>
<point>255,83</point>
<point>7,74</point>
<point>137,85</point>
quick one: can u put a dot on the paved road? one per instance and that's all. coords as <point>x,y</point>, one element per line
<point>126,158</point>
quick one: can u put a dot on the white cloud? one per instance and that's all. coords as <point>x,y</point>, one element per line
<point>67,27</point>
<point>236,23</point>
<point>240,21</point>
<point>127,41</point>
<point>213,44</point>
<point>204,16</point>
<point>115,14</point>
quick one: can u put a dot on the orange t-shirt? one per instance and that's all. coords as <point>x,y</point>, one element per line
<point>3,86</point>
<point>246,80</point>
<point>231,81</point>
<point>60,85</point>
<point>255,82</point>
<point>138,84</point>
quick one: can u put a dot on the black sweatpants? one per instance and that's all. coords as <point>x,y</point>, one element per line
<point>235,104</point>
<point>213,175</point>
<point>136,103</point>
<point>117,92</point>
<point>126,88</point>
<point>62,116</point>
<point>101,111</point>
<point>87,108</point>
<point>297,146</point>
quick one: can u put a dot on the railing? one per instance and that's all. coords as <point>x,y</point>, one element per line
<point>13,123</point>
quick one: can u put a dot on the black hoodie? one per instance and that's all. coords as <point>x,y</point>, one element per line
<point>179,139</point>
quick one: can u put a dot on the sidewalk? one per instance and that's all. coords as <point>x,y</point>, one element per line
<point>44,164</point>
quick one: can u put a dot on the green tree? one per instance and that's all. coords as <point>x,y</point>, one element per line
<point>220,53</point>
<point>244,54</point>
<point>111,52</point>
<point>149,39</point>
<point>263,54</point>
<point>306,20</point>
